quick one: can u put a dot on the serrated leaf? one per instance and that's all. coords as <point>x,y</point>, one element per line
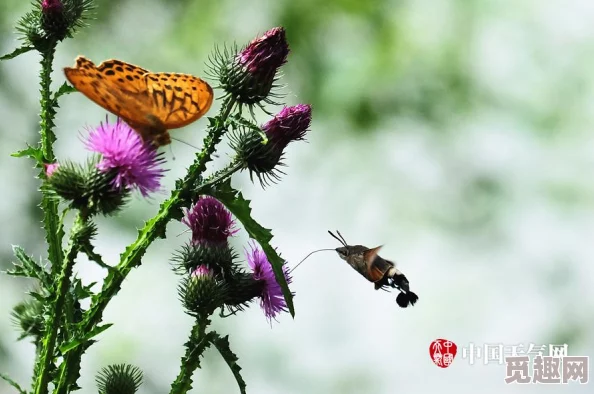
<point>33,153</point>
<point>28,268</point>
<point>222,345</point>
<point>79,341</point>
<point>39,297</point>
<point>81,292</point>
<point>240,208</point>
<point>12,383</point>
<point>190,362</point>
<point>64,89</point>
<point>17,52</point>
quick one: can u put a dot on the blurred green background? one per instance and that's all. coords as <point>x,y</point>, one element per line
<point>456,133</point>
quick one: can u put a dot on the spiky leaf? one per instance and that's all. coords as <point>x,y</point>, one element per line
<point>222,345</point>
<point>79,341</point>
<point>29,268</point>
<point>17,52</point>
<point>12,383</point>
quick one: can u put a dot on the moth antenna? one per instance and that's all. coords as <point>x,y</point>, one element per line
<point>341,237</point>
<point>315,251</point>
<point>336,238</point>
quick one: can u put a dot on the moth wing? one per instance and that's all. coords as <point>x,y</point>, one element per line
<point>376,266</point>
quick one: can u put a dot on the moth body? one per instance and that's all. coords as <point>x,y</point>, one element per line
<point>383,273</point>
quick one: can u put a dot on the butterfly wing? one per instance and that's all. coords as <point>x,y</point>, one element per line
<point>149,102</point>
<point>121,89</point>
<point>114,85</point>
<point>178,99</point>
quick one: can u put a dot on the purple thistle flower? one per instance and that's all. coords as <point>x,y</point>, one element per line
<point>51,168</point>
<point>290,124</point>
<point>264,55</point>
<point>272,301</point>
<point>123,150</point>
<point>209,221</point>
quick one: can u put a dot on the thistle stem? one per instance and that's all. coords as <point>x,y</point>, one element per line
<point>220,175</point>
<point>51,220</point>
<point>199,341</point>
<point>55,317</point>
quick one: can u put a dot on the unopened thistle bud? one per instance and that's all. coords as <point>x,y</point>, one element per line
<point>119,379</point>
<point>51,168</point>
<point>262,156</point>
<point>28,316</point>
<point>202,292</point>
<point>249,76</point>
<point>243,289</point>
<point>220,258</point>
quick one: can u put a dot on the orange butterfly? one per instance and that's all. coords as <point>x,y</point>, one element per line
<point>151,103</point>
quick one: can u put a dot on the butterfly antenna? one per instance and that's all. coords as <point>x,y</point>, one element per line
<point>184,142</point>
<point>336,238</point>
<point>183,232</point>
<point>190,145</point>
<point>315,251</point>
<point>172,154</point>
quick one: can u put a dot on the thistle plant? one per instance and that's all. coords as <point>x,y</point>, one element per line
<point>120,169</point>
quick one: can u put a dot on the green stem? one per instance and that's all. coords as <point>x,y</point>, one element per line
<point>131,258</point>
<point>55,316</point>
<point>53,229</point>
<point>199,341</point>
<point>47,110</point>
<point>51,221</point>
<point>220,175</point>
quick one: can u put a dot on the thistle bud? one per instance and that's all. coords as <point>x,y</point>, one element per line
<point>87,188</point>
<point>119,379</point>
<point>28,316</point>
<point>249,75</point>
<point>211,223</point>
<point>202,293</point>
<point>262,157</point>
<point>243,288</point>
<point>219,258</point>
<point>53,19</point>
<point>51,168</point>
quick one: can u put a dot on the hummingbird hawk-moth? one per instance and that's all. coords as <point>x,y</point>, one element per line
<point>383,273</point>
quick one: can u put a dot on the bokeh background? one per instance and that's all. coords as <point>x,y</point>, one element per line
<point>458,133</point>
